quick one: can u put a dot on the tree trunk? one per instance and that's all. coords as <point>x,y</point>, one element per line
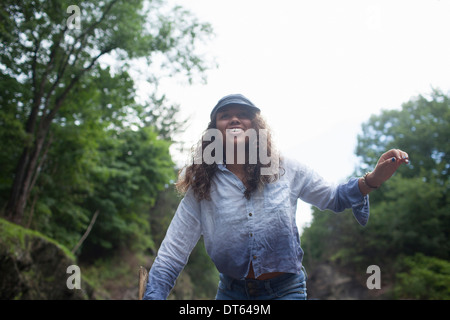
<point>28,163</point>
<point>26,169</point>
<point>143,279</point>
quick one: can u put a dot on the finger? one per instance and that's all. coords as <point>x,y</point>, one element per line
<point>404,157</point>
<point>400,157</point>
<point>396,160</point>
<point>392,161</point>
<point>397,153</point>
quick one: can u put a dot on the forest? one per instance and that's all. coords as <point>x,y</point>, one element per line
<point>88,165</point>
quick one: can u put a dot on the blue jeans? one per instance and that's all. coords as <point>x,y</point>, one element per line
<point>288,286</point>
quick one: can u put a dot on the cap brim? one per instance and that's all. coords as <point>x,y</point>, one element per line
<point>233,103</point>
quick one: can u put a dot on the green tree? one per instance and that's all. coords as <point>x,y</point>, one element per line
<point>421,127</point>
<point>94,165</point>
<point>410,213</point>
<point>423,277</point>
<point>127,184</point>
<point>44,61</point>
<point>413,206</point>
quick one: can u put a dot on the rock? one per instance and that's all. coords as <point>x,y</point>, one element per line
<point>34,267</point>
<point>327,282</point>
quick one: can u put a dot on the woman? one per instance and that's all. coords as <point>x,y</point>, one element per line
<point>246,213</point>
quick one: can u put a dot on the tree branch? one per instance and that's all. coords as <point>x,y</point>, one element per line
<point>63,66</point>
<point>60,99</point>
<point>39,166</point>
<point>88,230</point>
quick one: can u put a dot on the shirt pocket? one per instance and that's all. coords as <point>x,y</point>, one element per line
<point>277,196</point>
<point>230,211</point>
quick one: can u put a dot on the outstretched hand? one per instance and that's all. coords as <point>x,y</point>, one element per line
<point>386,166</point>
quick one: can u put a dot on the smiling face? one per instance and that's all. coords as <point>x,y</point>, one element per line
<point>233,121</point>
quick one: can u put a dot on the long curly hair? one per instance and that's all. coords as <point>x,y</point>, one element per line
<point>199,175</point>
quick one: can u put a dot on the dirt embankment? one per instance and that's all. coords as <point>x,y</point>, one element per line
<point>33,267</point>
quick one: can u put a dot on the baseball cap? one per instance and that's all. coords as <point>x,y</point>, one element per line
<point>233,99</point>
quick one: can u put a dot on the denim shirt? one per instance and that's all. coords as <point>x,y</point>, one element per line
<point>237,231</point>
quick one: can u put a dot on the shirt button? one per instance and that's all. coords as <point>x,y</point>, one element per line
<point>250,214</point>
<point>251,234</point>
<point>254,257</point>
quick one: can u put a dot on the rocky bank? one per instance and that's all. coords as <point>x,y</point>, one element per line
<point>34,267</point>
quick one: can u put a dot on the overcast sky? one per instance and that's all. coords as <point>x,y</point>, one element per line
<point>317,69</point>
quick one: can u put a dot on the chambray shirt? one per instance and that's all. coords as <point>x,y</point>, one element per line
<point>237,231</point>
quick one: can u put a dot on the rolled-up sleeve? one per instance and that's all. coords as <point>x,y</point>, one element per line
<point>358,202</point>
<point>181,237</point>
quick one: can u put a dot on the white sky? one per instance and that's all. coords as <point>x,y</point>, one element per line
<point>317,69</point>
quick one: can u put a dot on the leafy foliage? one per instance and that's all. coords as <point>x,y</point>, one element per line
<point>423,277</point>
<point>74,139</point>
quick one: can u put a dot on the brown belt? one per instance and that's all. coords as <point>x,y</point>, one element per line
<point>264,276</point>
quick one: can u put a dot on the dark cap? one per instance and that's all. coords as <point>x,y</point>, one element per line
<point>233,99</point>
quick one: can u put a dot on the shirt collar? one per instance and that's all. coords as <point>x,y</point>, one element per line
<point>222,167</point>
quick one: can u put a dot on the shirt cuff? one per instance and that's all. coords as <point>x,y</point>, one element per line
<point>360,203</point>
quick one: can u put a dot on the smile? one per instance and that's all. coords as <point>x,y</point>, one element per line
<point>235,131</point>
